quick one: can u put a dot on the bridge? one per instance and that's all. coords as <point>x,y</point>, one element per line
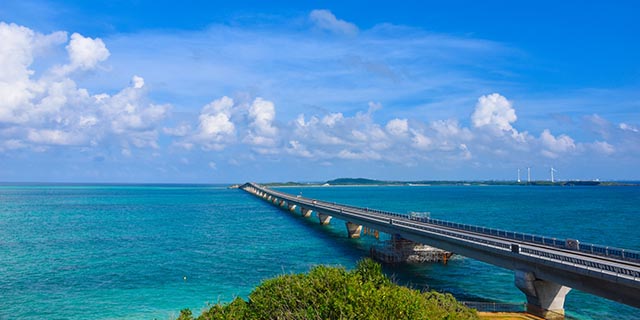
<point>546,269</point>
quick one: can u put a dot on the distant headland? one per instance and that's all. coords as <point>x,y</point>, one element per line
<point>374,182</point>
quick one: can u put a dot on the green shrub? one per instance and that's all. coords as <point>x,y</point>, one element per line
<point>335,293</point>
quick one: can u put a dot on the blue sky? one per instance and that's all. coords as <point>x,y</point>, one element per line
<point>159,91</point>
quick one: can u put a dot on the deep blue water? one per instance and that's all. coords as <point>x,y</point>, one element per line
<point>109,251</point>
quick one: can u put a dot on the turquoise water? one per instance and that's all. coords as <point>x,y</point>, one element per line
<point>123,252</point>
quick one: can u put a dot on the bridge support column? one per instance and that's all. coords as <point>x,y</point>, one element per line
<point>544,299</point>
<point>292,207</point>
<point>305,212</point>
<point>354,230</point>
<point>282,202</point>
<point>324,218</point>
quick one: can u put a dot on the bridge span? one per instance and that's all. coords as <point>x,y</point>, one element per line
<point>546,269</point>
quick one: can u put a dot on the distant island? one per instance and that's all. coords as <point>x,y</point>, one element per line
<point>374,182</point>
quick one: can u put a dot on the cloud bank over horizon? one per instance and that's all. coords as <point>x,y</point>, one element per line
<point>217,105</point>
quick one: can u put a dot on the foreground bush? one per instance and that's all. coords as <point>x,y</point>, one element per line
<point>334,293</point>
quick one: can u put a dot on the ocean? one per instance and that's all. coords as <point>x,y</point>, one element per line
<point>148,251</point>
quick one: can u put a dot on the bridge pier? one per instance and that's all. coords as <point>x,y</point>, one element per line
<point>292,207</point>
<point>544,298</point>
<point>305,212</point>
<point>282,202</point>
<point>354,230</point>
<point>324,218</point>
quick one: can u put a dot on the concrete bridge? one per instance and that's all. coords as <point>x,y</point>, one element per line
<point>546,269</point>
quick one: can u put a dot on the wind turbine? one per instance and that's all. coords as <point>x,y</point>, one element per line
<point>552,171</point>
<point>528,174</point>
<point>518,175</point>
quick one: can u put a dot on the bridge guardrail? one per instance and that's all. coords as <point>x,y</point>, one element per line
<point>577,261</point>
<point>531,251</point>
<point>605,251</point>
<point>594,249</point>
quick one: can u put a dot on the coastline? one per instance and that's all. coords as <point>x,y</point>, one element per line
<point>361,182</point>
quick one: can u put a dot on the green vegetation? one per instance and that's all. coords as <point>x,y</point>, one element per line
<point>335,293</point>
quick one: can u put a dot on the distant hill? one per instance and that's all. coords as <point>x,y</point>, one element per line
<point>365,181</point>
<point>374,182</point>
<point>355,181</point>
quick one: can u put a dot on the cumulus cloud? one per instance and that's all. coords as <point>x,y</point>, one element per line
<point>262,113</point>
<point>298,149</point>
<point>225,121</point>
<point>85,53</point>
<point>554,146</point>
<point>16,56</point>
<point>421,141</point>
<point>331,119</point>
<point>450,129</point>
<point>397,127</point>
<point>48,109</point>
<point>215,129</point>
<point>325,20</point>
<point>53,137</point>
<point>494,111</point>
<point>138,82</point>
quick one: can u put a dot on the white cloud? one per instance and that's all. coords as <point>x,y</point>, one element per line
<point>325,20</point>
<point>494,111</point>
<point>421,141</point>
<point>262,113</point>
<point>212,165</point>
<point>602,147</point>
<point>464,152</point>
<point>130,117</point>
<point>397,127</point>
<point>179,131</point>
<point>11,144</point>
<point>298,149</point>
<point>138,82</point>
<point>362,155</point>
<point>628,127</point>
<point>554,146</point>
<point>53,137</point>
<point>450,129</point>
<point>331,119</point>
<point>16,56</point>
<point>215,129</point>
<point>85,53</point>
<point>49,109</point>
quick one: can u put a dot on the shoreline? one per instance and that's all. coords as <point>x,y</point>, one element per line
<point>375,183</point>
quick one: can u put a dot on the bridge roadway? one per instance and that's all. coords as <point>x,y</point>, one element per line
<point>545,273</point>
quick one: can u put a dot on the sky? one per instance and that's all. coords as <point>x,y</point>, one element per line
<point>234,91</point>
